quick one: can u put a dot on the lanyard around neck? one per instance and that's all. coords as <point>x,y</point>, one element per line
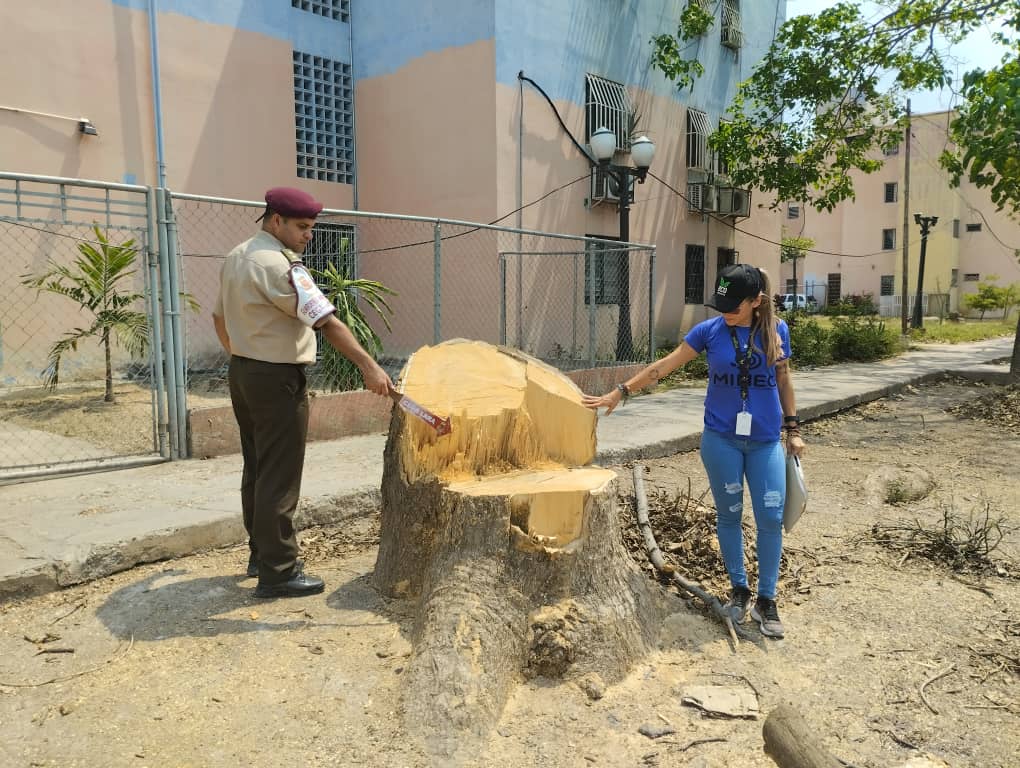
<point>743,360</point>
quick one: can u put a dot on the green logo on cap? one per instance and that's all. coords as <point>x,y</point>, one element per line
<point>724,284</point>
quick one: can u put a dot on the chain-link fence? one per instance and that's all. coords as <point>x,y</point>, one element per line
<point>76,364</point>
<point>106,332</point>
<point>444,279</point>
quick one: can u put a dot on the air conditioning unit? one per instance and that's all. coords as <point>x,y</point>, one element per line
<point>730,35</point>
<point>604,188</point>
<point>702,197</point>
<point>709,197</point>
<point>734,201</point>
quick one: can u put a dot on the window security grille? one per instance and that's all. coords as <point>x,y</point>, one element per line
<point>608,264</point>
<point>974,227</point>
<point>694,274</point>
<point>793,211</point>
<point>606,105</point>
<point>956,227</point>
<point>954,278</point>
<point>891,151</point>
<point>891,188</point>
<point>338,10</point>
<point>729,31</point>
<point>888,239</point>
<point>725,257</point>
<point>323,119</point>
<point>697,140</point>
<point>888,285</point>
<point>971,277</point>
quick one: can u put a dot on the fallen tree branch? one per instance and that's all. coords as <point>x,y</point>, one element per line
<point>655,555</point>
<point>929,681</point>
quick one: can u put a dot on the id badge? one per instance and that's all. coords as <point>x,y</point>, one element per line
<point>744,424</point>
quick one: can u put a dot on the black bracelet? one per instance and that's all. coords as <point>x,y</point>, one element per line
<point>794,418</point>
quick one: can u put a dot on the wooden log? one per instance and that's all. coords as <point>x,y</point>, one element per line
<point>790,742</point>
<point>506,540</point>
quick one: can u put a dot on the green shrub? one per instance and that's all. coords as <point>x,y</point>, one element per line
<point>810,343</point>
<point>695,369</point>
<point>854,339</point>
<point>853,305</point>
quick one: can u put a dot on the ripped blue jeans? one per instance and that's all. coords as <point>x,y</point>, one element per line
<point>728,460</point>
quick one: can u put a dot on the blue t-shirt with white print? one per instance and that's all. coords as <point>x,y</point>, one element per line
<point>722,400</point>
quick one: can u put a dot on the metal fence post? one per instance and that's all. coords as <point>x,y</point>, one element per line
<point>502,299</point>
<point>437,282</point>
<point>155,330</point>
<point>651,305</point>
<point>589,268</point>
<point>180,351</point>
<point>170,357</point>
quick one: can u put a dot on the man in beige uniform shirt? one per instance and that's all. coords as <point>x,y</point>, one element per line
<point>270,342</point>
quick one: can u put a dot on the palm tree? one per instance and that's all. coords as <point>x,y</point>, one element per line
<point>96,281</point>
<point>345,294</point>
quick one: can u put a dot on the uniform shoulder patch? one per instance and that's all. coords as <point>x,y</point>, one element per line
<point>292,257</point>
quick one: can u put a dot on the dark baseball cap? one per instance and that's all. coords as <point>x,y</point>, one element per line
<point>292,203</point>
<point>734,284</point>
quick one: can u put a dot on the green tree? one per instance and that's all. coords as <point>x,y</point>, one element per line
<point>98,280</point>
<point>988,297</point>
<point>794,249</point>
<point>346,294</point>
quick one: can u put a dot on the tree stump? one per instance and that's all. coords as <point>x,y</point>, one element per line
<point>507,539</point>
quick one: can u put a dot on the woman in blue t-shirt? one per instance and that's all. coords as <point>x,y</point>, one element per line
<point>749,403</point>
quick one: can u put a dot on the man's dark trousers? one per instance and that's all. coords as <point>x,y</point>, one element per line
<point>271,407</point>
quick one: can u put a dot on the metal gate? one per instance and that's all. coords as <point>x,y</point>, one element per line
<point>79,387</point>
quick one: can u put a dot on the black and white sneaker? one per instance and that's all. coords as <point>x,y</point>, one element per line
<point>740,597</point>
<point>764,611</point>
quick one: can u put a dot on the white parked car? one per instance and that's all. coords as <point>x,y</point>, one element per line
<point>804,302</point>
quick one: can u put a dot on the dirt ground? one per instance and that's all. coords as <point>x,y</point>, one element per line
<point>887,653</point>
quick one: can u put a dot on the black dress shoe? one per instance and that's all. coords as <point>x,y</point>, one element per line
<point>253,566</point>
<point>298,585</point>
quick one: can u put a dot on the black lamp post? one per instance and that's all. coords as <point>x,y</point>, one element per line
<point>642,150</point>
<point>925,223</point>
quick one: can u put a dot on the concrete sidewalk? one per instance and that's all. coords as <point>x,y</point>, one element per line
<point>63,531</point>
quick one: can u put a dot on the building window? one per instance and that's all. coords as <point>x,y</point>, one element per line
<point>974,227</point>
<point>888,285</point>
<point>603,268</point>
<point>891,151</point>
<point>971,277</point>
<point>888,239</point>
<point>954,278</point>
<point>956,227</point>
<point>891,189</point>
<point>606,105</point>
<point>791,285</point>
<point>697,140</point>
<point>323,119</point>
<point>338,10</point>
<point>725,257</point>
<point>694,274</point>
<point>835,288</point>
<point>730,34</point>
<point>793,211</point>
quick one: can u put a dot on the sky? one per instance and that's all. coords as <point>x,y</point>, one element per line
<point>977,51</point>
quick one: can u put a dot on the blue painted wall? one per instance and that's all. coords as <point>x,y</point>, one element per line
<point>556,42</point>
<point>309,32</point>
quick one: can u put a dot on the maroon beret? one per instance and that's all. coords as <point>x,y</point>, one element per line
<point>293,203</point>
